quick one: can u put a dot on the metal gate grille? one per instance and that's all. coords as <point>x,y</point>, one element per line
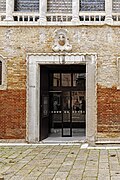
<point>116,5</point>
<point>2,5</point>
<point>27,5</point>
<point>92,5</point>
<point>59,6</point>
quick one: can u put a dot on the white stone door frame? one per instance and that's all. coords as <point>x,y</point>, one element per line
<point>33,90</point>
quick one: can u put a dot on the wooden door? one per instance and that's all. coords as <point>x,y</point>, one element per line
<point>44,103</point>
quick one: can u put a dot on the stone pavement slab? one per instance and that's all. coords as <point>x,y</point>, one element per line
<point>59,162</point>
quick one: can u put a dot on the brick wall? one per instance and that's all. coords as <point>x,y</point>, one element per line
<point>108,111</point>
<point>16,42</point>
<point>12,114</point>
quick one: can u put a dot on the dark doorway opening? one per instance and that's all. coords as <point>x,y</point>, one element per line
<point>63,100</point>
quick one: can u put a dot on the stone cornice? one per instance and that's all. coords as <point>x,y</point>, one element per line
<point>57,24</point>
<point>61,54</point>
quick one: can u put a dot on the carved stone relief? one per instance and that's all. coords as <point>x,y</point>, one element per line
<point>61,41</point>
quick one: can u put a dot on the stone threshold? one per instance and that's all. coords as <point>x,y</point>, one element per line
<point>107,142</point>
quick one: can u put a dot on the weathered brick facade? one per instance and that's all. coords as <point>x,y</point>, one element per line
<point>16,42</point>
<point>108,114</point>
<point>12,114</point>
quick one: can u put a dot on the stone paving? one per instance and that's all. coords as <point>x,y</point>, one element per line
<point>59,162</point>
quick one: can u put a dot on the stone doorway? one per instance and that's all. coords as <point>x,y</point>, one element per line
<point>34,62</point>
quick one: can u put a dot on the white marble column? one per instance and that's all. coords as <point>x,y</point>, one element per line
<point>108,11</point>
<point>9,10</point>
<point>42,10</point>
<point>75,10</point>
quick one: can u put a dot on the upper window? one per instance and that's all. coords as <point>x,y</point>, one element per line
<point>2,5</point>
<point>59,6</point>
<point>68,80</point>
<point>79,80</point>
<point>3,74</point>
<point>56,79</point>
<point>27,5</point>
<point>116,5</point>
<point>92,5</point>
<point>0,72</point>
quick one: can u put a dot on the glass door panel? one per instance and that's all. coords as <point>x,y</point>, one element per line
<point>55,112</point>
<point>66,116</point>
<point>78,113</point>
